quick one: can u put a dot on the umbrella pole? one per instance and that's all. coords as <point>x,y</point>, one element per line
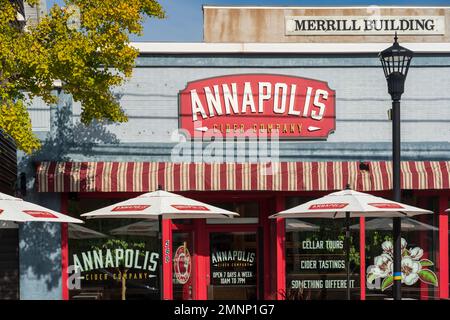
<point>347,250</point>
<point>160,251</point>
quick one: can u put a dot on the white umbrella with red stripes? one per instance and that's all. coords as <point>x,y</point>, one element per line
<point>346,204</point>
<point>18,210</point>
<point>357,204</point>
<point>160,205</point>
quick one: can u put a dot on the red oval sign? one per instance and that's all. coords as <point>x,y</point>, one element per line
<point>182,264</point>
<point>258,104</point>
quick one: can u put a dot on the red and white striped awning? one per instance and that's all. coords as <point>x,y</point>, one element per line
<point>280,176</point>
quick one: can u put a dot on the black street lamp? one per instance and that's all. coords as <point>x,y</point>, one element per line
<point>396,60</point>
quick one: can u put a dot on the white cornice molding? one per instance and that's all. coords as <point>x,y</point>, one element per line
<point>248,48</point>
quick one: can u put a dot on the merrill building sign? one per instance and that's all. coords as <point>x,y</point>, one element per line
<point>364,25</point>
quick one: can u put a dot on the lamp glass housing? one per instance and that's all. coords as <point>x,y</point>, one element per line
<point>396,60</point>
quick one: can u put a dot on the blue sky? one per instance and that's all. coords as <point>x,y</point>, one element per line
<point>185,17</point>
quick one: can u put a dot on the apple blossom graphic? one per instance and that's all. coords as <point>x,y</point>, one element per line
<point>413,268</point>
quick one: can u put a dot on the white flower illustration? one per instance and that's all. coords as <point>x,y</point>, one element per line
<point>383,266</point>
<point>410,270</point>
<point>416,253</point>
<point>403,244</point>
<point>412,267</point>
<point>387,247</point>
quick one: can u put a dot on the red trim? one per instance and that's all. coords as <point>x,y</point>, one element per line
<point>362,254</point>
<point>254,171</point>
<point>83,175</point>
<point>176,176</point>
<point>130,177</point>
<point>201,278</point>
<point>268,237</point>
<point>167,259</point>
<point>64,248</point>
<point>51,177</point>
<point>114,170</point>
<point>299,171</point>
<point>443,248</point>
<point>238,176</point>
<point>160,176</point>
<point>207,181</point>
<point>99,176</point>
<point>280,250</point>
<point>314,176</point>
<point>445,175</point>
<point>67,175</point>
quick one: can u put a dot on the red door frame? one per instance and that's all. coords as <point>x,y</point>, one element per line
<point>192,230</point>
<point>166,259</point>
<point>201,234</point>
<point>443,248</point>
<point>280,250</point>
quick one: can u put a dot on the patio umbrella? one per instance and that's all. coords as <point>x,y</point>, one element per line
<point>386,224</point>
<point>346,204</point>
<point>18,210</point>
<point>78,232</point>
<point>141,228</point>
<point>160,205</point>
<point>297,224</point>
<point>8,225</point>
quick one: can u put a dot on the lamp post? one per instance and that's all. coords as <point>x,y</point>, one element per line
<point>395,61</point>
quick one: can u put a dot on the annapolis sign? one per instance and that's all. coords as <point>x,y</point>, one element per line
<point>258,104</point>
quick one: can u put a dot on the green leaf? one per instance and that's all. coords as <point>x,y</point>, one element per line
<point>371,277</point>
<point>387,283</point>
<point>426,263</point>
<point>428,276</point>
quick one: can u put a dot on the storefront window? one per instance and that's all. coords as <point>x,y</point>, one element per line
<point>306,241</point>
<point>116,259</point>
<point>233,261</point>
<point>315,258</point>
<point>9,261</point>
<point>419,255</point>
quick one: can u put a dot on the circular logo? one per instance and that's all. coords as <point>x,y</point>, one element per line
<point>182,264</point>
